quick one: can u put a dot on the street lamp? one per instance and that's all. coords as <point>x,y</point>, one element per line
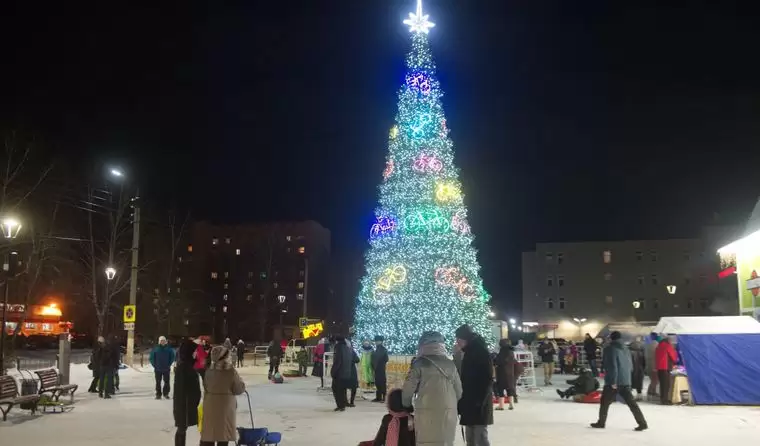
<point>118,173</point>
<point>580,322</point>
<point>110,273</point>
<point>491,314</point>
<point>11,228</point>
<point>512,321</point>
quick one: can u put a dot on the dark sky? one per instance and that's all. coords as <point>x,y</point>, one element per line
<point>571,120</point>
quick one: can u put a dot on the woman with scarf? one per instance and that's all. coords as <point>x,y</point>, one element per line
<point>397,427</point>
<point>187,392</point>
<point>434,385</point>
<point>222,385</point>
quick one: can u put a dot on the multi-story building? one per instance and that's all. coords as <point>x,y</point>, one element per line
<point>570,289</point>
<point>249,281</point>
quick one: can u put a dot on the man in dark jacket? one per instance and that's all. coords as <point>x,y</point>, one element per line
<point>617,380</point>
<point>187,392</point>
<point>584,384</point>
<point>95,359</point>
<point>589,347</point>
<point>476,405</point>
<point>340,372</point>
<point>161,358</point>
<point>109,362</point>
<point>274,351</point>
<point>379,359</point>
<point>547,352</point>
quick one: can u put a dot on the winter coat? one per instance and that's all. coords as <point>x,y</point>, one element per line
<point>617,364</point>
<point>366,373</point>
<point>665,355</point>
<point>354,380</point>
<point>319,353</point>
<point>585,383</point>
<point>240,349</point>
<point>589,346</point>
<point>201,357</point>
<point>434,384</point>
<point>379,359</point>
<point>274,350</point>
<point>476,405</point>
<point>96,359</point>
<point>546,352</point>
<point>187,388</point>
<point>505,370</point>
<point>162,358</point>
<point>405,435</point>
<point>342,362</point>
<point>302,356</point>
<point>638,360</point>
<point>219,404</point>
<point>109,356</point>
<point>651,364</point>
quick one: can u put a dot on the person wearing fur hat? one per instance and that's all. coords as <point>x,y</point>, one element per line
<point>476,405</point>
<point>161,358</point>
<point>221,386</point>
<point>187,392</point>
<point>379,359</point>
<point>433,384</point>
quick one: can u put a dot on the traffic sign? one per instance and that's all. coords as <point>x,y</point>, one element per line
<point>129,326</point>
<point>130,313</point>
<point>302,322</point>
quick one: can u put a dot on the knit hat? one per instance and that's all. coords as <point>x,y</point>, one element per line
<point>431,337</point>
<point>219,353</point>
<point>464,332</point>
<point>161,339</point>
<point>615,335</point>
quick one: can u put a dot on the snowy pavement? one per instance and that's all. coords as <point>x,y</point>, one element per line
<point>305,417</point>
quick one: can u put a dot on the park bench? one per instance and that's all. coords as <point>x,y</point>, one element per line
<point>9,397</point>
<point>49,383</point>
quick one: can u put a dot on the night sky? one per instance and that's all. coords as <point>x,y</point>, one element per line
<point>572,120</point>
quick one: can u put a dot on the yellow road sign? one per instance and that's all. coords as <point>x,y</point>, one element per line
<point>130,313</point>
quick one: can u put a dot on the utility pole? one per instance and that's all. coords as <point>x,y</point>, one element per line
<point>133,274</point>
<point>305,286</point>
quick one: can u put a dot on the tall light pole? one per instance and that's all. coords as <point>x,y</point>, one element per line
<point>11,228</point>
<point>118,173</point>
<point>580,325</point>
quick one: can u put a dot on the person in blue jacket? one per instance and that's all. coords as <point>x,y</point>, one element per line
<point>161,358</point>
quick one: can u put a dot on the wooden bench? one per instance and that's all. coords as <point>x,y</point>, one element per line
<point>49,383</point>
<point>9,396</point>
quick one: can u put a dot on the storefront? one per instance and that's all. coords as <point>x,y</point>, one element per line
<point>741,258</point>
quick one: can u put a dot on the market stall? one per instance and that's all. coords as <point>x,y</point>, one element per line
<point>721,357</point>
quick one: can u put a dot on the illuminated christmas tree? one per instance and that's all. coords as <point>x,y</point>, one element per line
<point>422,271</point>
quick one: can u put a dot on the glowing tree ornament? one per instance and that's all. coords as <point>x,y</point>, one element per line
<point>384,226</point>
<point>393,132</point>
<point>388,169</point>
<point>400,295</point>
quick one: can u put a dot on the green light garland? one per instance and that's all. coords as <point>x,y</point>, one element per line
<point>423,275</point>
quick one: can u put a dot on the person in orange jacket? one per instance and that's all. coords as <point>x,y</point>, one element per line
<point>665,358</point>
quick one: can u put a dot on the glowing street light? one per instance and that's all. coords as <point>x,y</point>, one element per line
<point>512,321</point>
<point>11,227</point>
<point>491,314</point>
<point>110,273</point>
<point>580,321</point>
<point>117,172</point>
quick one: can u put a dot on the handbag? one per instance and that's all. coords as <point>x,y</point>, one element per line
<point>200,417</point>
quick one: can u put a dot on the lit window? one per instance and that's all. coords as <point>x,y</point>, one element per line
<point>46,327</point>
<point>607,256</point>
<point>226,274</point>
<point>250,274</point>
<point>214,241</point>
<point>249,297</point>
<point>655,279</point>
<point>299,296</point>
<point>300,285</point>
<point>224,309</point>
<point>189,248</point>
<point>549,257</point>
<point>655,304</point>
<point>187,321</point>
<point>549,303</point>
<point>179,280</point>
<point>301,250</point>
<point>641,279</point>
<point>214,275</point>
<point>301,273</point>
<point>276,285</point>
<point>227,240</point>
<point>560,280</point>
<point>263,275</point>
<point>608,276</point>
<point>179,259</point>
<point>690,304</point>
<point>237,252</point>
<point>549,280</point>
<point>226,286</point>
<point>653,255</point>
<point>639,255</point>
<point>225,297</point>
<point>288,238</point>
<point>561,303</point>
<point>608,299</point>
<point>560,258</point>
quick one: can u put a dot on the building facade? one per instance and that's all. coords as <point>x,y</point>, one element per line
<point>248,281</point>
<point>571,289</point>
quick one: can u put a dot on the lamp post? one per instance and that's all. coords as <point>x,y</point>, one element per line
<point>118,173</point>
<point>580,322</point>
<point>11,228</point>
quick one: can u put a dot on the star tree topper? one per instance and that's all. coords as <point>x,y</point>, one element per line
<point>419,23</point>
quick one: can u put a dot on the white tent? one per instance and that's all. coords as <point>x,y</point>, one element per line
<point>707,325</point>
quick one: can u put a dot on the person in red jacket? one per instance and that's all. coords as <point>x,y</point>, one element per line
<point>665,358</point>
<point>201,357</point>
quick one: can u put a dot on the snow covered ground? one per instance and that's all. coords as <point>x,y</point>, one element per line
<point>305,417</point>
